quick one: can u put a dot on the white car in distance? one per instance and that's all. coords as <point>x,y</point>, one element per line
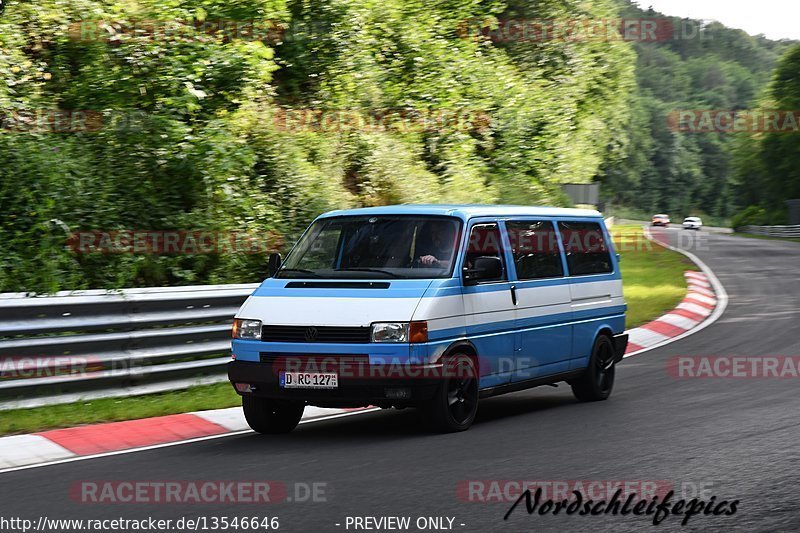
<point>692,223</point>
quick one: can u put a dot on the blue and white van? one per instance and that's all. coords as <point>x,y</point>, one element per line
<point>434,307</point>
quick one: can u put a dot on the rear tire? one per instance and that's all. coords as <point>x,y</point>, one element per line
<point>455,403</point>
<point>271,417</point>
<point>597,382</point>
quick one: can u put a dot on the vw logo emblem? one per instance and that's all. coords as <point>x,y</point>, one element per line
<point>311,334</point>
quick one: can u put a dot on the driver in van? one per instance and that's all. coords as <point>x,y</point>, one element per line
<point>437,249</point>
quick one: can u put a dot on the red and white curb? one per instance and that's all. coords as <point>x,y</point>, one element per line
<point>698,304</point>
<point>705,301</point>
<point>71,443</point>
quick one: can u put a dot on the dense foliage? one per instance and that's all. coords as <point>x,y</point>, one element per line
<point>195,132</point>
<point>706,66</point>
<point>767,164</point>
<point>295,107</point>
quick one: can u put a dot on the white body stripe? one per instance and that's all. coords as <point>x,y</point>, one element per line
<point>326,311</point>
<point>536,301</point>
<point>446,312</point>
<point>487,307</point>
<point>596,295</point>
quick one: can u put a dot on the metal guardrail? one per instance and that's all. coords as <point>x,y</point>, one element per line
<point>771,231</point>
<point>91,344</point>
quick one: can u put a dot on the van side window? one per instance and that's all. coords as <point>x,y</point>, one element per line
<point>586,248</point>
<point>485,241</point>
<point>534,245</point>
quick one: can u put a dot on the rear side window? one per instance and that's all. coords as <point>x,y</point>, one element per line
<point>534,245</point>
<point>586,248</point>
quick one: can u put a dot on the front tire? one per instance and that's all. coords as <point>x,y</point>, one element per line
<point>271,417</point>
<point>455,404</point>
<point>597,382</point>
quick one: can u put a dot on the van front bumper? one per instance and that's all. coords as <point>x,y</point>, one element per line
<point>383,387</point>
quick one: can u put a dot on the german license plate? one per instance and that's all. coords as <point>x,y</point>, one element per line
<point>309,380</point>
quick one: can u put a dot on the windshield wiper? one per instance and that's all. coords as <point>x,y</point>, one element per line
<point>377,270</point>
<point>299,270</point>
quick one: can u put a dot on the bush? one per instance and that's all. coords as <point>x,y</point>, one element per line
<point>753,215</point>
<point>193,135</point>
<point>756,215</point>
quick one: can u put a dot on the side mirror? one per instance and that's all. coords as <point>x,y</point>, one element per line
<point>486,268</point>
<point>274,264</point>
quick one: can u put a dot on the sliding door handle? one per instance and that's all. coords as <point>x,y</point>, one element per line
<point>514,294</point>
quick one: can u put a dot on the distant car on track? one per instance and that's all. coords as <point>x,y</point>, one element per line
<point>692,223</point>
<point>661,220</point>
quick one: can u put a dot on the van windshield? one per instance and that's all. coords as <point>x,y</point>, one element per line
<point>375,247</point>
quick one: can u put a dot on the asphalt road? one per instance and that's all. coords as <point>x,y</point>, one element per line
<point>734,438</point>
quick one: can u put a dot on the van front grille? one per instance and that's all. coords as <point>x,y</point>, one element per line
<point>316,334</point>
<point>303,362</point>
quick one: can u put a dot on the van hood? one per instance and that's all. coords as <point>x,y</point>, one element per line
<point>290,302</point>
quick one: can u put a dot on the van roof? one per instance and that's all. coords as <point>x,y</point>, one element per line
<point>466,211</point>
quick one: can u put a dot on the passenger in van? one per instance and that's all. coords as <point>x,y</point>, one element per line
<point>437,241</point>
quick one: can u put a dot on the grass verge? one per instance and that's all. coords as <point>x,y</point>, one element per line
<point>653,281</point>
<point>115,409</point>
<point>652,275</point>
